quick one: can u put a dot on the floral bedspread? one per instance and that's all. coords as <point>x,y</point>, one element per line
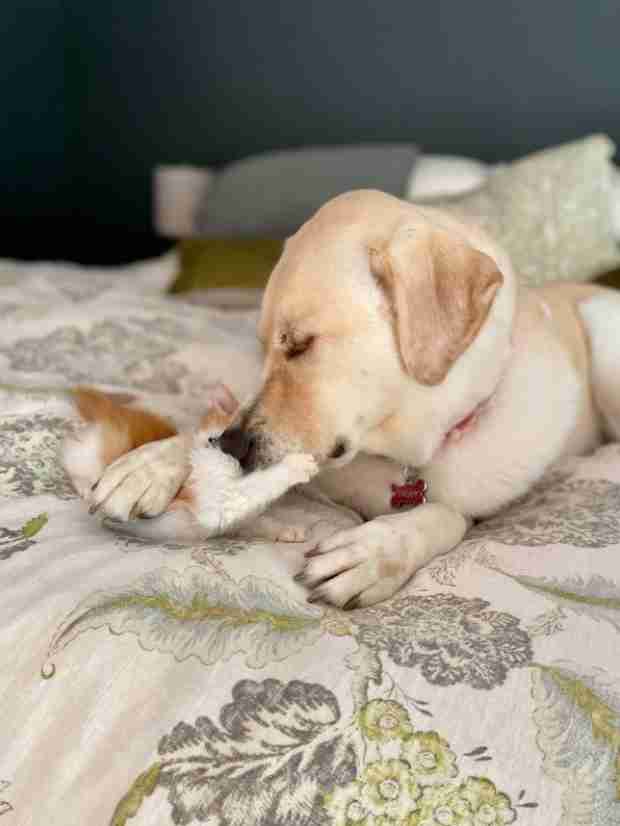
<point>149,684</point>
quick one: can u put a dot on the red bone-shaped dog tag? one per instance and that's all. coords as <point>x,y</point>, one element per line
<point>409,495</point>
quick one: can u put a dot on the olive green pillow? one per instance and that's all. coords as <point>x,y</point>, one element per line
<point>551,211</point>
<point>610,279</point>
<point>237,263</point>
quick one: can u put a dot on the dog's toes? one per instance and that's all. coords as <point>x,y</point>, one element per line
<point>108,494</point>
<point>125,501</point>
<point>338,577</point>
<point>339,539</point>
<point>153,502</point>
<point>326,566</point>
<point>342,590</point>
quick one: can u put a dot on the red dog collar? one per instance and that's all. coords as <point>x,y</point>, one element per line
<point>413,492</point>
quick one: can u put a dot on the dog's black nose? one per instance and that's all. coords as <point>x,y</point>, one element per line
<point>236,442</point>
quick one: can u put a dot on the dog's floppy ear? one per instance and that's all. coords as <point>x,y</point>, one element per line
<point>440,289</point>
<point>221,398</point>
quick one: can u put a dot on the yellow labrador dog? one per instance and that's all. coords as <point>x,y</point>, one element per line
<point>397,337</point>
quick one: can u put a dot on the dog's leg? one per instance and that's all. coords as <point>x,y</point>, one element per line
<point>364,565</point>
<point>144,481</point>
<point>601,316</point>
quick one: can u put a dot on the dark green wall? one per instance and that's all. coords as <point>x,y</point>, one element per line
<point>33,116</point>
<point>205,82</point>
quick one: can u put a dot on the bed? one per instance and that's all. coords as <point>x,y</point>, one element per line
<point>149,684</point>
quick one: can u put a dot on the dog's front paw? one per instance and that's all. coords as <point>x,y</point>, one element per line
<point>360,566</point>
<point>142,482</point>
<point>302,467</point>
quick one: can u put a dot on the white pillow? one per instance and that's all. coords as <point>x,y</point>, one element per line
<point>444,175</point>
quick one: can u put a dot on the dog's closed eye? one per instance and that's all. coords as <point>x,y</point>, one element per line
<point>296,348</point>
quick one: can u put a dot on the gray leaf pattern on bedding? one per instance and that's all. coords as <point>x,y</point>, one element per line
<point>203,554</point>
<point>584,513</point>
<point>294,751</point>
<point>29,451</point>
<point>452,639</point>
<point>111,352</point>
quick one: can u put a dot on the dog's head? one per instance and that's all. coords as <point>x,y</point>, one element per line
<point>371,302</point>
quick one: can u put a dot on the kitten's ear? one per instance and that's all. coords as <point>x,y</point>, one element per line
<point>440,290</point>
<point>219,397</point>
<point>221,407</point>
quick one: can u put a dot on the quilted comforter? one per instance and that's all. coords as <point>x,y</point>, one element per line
<point>148,684</point>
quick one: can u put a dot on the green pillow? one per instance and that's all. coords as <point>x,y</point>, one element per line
<point>551,211</point>
<point>238,263</point>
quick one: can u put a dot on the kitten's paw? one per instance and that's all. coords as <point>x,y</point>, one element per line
<point>274,530</point>
<point>292,533</point>
<point>301,466</point>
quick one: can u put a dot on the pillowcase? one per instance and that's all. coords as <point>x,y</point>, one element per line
<point>552,211</point>
<point>272,195</point>
<point>218,263</point>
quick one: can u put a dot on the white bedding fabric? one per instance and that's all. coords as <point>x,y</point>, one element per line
<point>149,685</point>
